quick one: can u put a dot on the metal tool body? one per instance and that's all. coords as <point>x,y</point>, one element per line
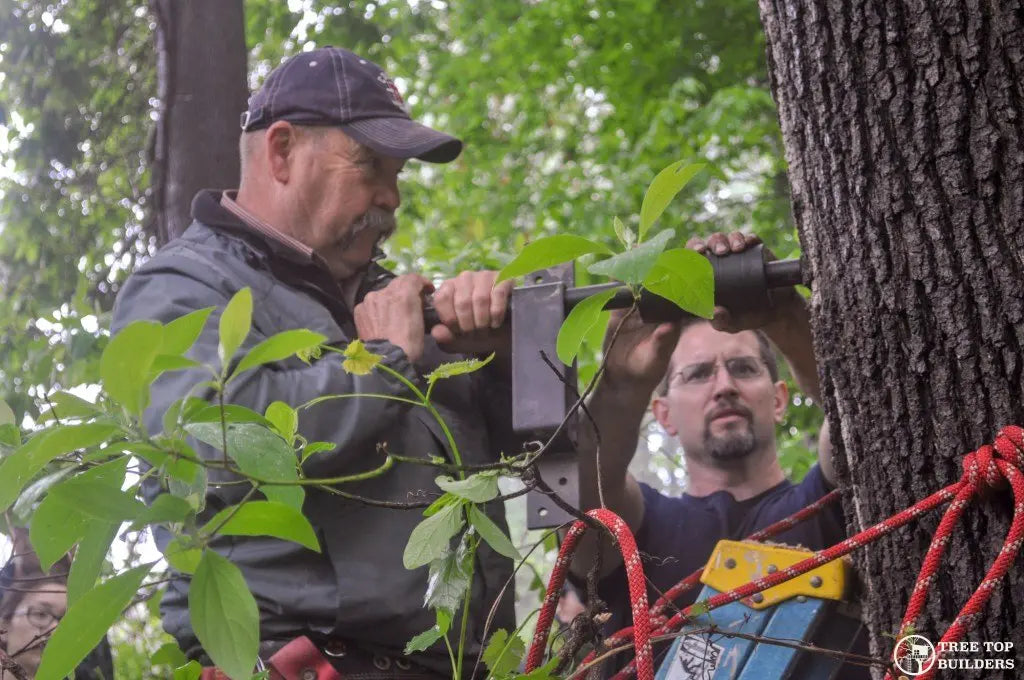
<point>542,398</point>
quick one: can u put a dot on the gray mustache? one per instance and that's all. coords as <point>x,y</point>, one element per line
<point>381,221</point>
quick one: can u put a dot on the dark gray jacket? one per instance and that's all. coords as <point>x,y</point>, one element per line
<point>357,588</point>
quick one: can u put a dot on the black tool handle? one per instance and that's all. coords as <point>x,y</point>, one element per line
<point>742,284</point>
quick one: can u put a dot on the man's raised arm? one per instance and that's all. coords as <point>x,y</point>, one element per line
<point>636,361</point>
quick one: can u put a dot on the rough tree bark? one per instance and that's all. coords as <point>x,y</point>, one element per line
<point>201,72</point>
<point>903,123</point>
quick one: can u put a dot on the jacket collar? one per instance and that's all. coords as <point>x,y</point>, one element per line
<point>206,208</point>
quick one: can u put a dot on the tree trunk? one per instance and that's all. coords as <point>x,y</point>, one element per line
<point>903,123</point>
<point>202,82</point>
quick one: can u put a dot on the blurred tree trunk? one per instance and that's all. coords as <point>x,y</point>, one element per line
<point>903,124</point>
<point>201,72</point>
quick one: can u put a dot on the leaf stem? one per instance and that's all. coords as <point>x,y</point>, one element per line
<point>474,542</point>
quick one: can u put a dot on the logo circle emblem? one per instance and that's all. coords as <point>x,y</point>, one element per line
<point>914,655</point>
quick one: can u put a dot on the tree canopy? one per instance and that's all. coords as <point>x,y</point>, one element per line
<point>568,110</point>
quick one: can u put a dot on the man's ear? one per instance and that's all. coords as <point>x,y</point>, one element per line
<point>280,141</point>
<point>660,409</point>
<point>781,400</point>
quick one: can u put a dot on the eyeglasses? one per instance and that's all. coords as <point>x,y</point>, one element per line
<point>739,368</point>
<point>39,617</point>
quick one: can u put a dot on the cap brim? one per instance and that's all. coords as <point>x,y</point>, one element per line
<point>404,138</point>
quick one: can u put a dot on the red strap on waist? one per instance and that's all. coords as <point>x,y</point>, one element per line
<point>291,662</point>
<point>300,656</point>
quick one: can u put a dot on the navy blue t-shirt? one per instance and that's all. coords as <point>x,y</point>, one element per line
<point>678,534</point>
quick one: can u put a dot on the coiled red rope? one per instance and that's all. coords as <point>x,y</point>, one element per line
<point>637,591</point>
<point>989,466</point>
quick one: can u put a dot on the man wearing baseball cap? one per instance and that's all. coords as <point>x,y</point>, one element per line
<point>322,144</point>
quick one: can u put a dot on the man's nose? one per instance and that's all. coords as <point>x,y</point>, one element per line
<point>722,382</point>
<point>388,197</point>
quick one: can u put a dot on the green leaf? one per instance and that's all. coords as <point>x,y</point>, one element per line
<point>478,488</point>
<point>183,555</point>
<point>542,673</point>
<point>424,640</point>
<point>316,447</point>
<point>97,499</point>
<point>430,539</point>
<point>169,654</point>
<point>699,609</point>
<point>278,347</point>
<point>182,333</point>
<point>583,317</point>
<point>87,621</point>
<point>448,579</point>
<point>663,189</point>
<point>428,637</point>
<point>126,364</point>
<point>633,265</point>
<point>24,463</point>
<point>625,235</point>
<point>168,362</point>
<point>57,524</point>
<point>190,671</point>
<point>165,508</point>
<point>358,359</point>
<point>64,405</point>
<point>175,458</point>
<point>28,499</point>
<point>235,323</point>
<point>503,654</point>
<point>492,533</point>
<point>686,278</point>
<point>454,368</point>
<point>10,436</point>
<point>224,615</point>
<point>284,420</point>
<point>233,413</point>
<point>54,529</point>
<point>92,550</point>
<point>6,414</point>
<point>265,518</point>
<point>194,492</point>
<point>440,503</point>
<point>259,452</point>
<point>182,411</point>
<point>549,251</point>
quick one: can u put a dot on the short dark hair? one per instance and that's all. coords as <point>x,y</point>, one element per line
<point>764,347</point>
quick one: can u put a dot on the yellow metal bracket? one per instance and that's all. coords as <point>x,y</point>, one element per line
<point>734,563</point>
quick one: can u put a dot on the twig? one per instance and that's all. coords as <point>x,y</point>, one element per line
<point>413,505</point>
<point>9,664</point>
<point>501,593</point>
<point>858,659</point>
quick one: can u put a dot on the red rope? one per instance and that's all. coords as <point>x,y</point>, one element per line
<point>658,611</point>
<point>637,592</point>
<point>986,467</point>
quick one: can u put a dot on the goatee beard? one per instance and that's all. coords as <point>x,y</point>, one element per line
<point>731,446</point>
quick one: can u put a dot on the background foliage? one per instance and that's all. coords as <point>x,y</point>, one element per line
<point>567,108</point>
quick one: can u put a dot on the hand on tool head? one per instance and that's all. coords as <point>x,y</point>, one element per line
<point>637,357</point>
<point>395,313</point>
<point>784,300</point>
<point>472,310</point>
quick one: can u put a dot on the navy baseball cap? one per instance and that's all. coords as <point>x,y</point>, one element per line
<point>333,86</point>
